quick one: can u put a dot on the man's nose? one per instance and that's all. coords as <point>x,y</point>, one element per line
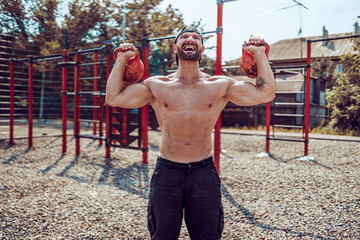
<point>190,39</point>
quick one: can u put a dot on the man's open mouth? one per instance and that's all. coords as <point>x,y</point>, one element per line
<point>189,48</point>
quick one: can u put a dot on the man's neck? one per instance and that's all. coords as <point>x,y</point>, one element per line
<point>188,72</point>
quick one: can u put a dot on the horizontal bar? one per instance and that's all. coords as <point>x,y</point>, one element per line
<point>88,106</point>
<point>288,126</point>
<point>89,78</point>
<point>288,115</point>
<point>89,120</point>
<point>87,50</point>
<point>289,104</point>
<point>15,114</point>
<point>65,64</point>
<point>287,139</point>
<point>19,59</point>
<point>334,38</point>
<point>89,64</point>
<point>89,93</point>
<point>8,41</point>
<point>48,56</point>
<point>289,67</point>
<point>48,59</point>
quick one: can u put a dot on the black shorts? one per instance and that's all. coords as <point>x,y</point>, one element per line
<point>192,190</point>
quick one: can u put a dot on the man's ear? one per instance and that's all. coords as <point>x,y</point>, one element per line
<point>174,48</point>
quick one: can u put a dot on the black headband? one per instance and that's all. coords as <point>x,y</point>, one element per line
<point>189,29</point>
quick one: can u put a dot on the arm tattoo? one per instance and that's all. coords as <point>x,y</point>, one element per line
<point>260,82</point>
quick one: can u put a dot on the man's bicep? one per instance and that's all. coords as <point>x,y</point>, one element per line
<point>244,94</point>
<point>133,96</point>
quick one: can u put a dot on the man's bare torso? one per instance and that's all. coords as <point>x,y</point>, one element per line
<point>187,114</point>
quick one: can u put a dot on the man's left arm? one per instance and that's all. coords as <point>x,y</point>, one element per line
<point>246,93</point>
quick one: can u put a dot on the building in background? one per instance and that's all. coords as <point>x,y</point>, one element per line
<point>288,105</point>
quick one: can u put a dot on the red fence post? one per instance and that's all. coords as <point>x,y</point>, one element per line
<point>11,123</point>
<point>30,102</point>
<point>64,102</point>
<point>145,109</point>
<point>307,98</point>
<point>95,88</point>
<point>77,103</point>
<point>268,122</point>
<point>218,71</point>
<point>107,114</point>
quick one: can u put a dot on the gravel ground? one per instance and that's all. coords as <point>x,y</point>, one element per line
<point>46,195</point>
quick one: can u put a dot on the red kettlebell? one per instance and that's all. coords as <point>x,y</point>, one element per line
<point>134,69</point>
<point>247,61</point>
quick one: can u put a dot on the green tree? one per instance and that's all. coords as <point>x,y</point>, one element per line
<point>344,98</point>
<point>13,17</point>
<point>324,68</point>
<point>40,25</point>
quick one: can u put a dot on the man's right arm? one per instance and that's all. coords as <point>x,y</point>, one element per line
<point>117,94</point>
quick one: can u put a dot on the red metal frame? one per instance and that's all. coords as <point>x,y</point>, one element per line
<point>77,102</point>
<point>64,102</point>
<point>30,103</point>
<point>95,89</point>
<point>101,112</point>
<point>307,99</point>
<point>307,107</point>
<point>124,127</point>
<point>268,122</point>
<point>11,137</point>
<point>107,114</point>
<point>218,71</point>
<point>145,109</point>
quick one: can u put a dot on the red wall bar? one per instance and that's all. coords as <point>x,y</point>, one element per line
<point>64,102</point>
<point>307,99</point>
<point>124,127</point>
<point>30,103</point>
<point>218,71</point>
<point>145,109</point>
<point>101,104</point>
<point>11,140</point>
<point>268,122</point>
<point>77,103</point>
<point>95,97</point>
<point>107,114</point>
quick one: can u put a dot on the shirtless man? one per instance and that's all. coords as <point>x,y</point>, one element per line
<point>187,104</point>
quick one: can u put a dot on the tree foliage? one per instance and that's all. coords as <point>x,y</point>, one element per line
<point>324,68</point>
<point>344,98</point>
<point>88,22</point>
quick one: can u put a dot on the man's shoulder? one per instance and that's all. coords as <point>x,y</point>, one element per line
<point>158,79</point>
<point>219,79</point>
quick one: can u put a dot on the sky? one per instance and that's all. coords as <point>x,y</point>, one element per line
<point>242,19</point>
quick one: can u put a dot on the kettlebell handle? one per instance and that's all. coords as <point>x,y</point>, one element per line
<point>137,56</point>
<point>115,53</point>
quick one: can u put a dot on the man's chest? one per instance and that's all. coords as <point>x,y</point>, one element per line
<point>196,98</point>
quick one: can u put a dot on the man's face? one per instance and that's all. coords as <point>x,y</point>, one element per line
<point>189,46</point>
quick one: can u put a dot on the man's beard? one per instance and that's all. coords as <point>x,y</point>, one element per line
<point>193,56</point>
